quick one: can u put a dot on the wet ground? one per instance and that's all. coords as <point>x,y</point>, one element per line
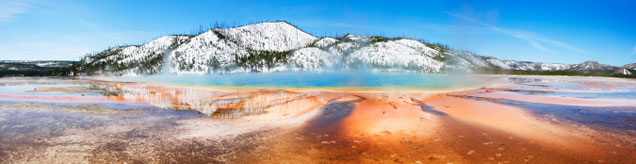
<point>508,119</point>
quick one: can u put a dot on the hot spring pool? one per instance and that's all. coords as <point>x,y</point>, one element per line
<point>314,80</point>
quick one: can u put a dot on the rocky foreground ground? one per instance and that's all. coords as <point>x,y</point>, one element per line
<point>509,119</point>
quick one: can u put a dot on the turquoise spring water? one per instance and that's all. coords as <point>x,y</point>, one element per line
<point>315,80</point>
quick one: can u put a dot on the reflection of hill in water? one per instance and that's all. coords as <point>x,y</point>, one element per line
<point>212,102</point>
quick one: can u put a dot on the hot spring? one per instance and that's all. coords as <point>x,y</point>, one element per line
<point>371,80</point>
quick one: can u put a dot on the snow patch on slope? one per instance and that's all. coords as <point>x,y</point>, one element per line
<point>418,46</point>
<point>202,52</point>
<point>325,42</point>
<point>312,58</point>
<point>395,54</point>
<point>269,36</point>
<point>151,49</point>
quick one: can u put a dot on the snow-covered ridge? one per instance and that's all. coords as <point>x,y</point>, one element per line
<point>280,46</point>
<point>269,36</point>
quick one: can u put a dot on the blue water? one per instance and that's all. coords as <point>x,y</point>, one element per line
<point>315,80</point>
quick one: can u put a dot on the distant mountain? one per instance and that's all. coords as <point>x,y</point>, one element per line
<point>280,46</point>
<point>630,66</point>
<point>35,68</point>
<point>628,69</point>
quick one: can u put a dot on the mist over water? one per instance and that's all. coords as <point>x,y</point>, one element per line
<point>355,79</point>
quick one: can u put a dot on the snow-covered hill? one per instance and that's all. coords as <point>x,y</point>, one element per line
<point>280,46</point>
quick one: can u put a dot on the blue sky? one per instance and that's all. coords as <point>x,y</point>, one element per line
<point>543,31</point>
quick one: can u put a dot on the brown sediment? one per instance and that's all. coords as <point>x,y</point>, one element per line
<point>298,147</point>
<point>539,85</point>
<point>370,117</point>
<point>488,90</point>
<point>393,105</point>
<point>89,109</point>
<point>477,98</point>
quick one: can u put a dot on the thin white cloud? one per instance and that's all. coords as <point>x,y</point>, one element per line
<point>9,9</point>
<point>539,46</point>
<point>444,28</point>
<point>532,38</point>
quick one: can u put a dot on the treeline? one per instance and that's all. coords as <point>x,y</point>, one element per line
<point>29,69</point>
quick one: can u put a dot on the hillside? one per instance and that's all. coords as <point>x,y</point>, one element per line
<point>35,68</point>
<point>280,46</point>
